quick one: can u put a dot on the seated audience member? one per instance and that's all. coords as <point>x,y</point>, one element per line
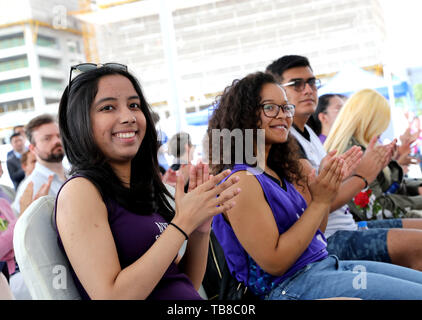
<point>115,209</point>
<point>16,172</point>
<point>383,241</point>
<point>28,161</point>
<point>44,137</point>
<point>6,192</point>
<point>181,148</point>
<point>326,112</point>
<point>21,130</point>
<point>273,238</point>
<point>366,114</point>
<point>403,155</point>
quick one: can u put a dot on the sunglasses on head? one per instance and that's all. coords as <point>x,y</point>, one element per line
<point>77,69</point>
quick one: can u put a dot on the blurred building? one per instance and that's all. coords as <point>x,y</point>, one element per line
<point>215,42</point>
<point>221,40</point>
<point>38,42</point>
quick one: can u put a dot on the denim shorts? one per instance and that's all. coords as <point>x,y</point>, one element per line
<point>368,244</point>
<point>368,280</point>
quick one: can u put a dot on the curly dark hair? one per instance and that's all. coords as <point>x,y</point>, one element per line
<point>239,107</point>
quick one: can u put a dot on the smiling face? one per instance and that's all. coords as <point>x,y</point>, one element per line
<point>118,123</point>
<point>47,143</point>
<point>276,129</point>
<point>305,100</point>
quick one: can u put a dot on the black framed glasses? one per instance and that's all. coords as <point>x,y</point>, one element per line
<point>77,69</point>
<point>299,84</point>
<point>271,110</point>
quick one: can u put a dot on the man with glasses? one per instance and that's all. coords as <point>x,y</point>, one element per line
<point>295,74</point>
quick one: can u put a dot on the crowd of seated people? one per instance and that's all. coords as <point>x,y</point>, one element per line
<point>286,217</point>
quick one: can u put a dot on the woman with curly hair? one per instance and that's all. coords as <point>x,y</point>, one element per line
<point>273,238</point>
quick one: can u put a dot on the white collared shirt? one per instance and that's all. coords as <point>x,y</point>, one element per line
<point>39,176</point>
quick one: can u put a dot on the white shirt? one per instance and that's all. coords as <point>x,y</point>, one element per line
<point>314,150</point>
<point>39,176</point>
<point>340,219</point>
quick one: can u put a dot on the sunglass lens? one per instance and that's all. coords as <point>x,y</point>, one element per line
<point>117,66</point>
<point>85,67</point>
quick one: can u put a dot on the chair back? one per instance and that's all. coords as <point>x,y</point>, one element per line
<point>44,267</point>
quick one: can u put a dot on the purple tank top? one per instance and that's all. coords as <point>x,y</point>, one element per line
<point>287,207</point>
<point>134,234</point>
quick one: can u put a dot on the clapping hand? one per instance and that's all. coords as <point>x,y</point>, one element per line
<point>27,196</point>
<point>206,199</point>
<point>324,186</point>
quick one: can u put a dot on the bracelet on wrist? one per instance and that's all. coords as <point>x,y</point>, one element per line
<point>180,229</point>
<point>364,180</point>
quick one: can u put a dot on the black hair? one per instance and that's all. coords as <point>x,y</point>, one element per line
<point>239,107</point>
<point>323,103</point>
<point>279,66</point>
<point>16,134</point>
<point>17,127</point>
<point>147,193</point>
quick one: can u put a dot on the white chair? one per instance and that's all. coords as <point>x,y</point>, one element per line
<point>44,267</point>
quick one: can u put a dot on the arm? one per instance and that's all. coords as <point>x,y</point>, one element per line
<point>6,237</point>
<point>82,221</point>
<point>275,252</point>
<point>194,261</point>
<point>306,194</point>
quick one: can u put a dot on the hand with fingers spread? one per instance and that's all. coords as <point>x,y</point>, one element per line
<point>374,159</point>
<point>351,159</point>
<point>406,139</point>
<point>195,208</point>
<point>198,175</point>
<point>28,195</point>
<point>324,186</point>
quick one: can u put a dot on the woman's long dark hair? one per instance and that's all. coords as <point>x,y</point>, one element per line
<point>147,193</point>
<point>323,103</point>
<point>239,107</point>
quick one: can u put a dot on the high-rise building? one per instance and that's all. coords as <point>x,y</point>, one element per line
<point>38,42</point>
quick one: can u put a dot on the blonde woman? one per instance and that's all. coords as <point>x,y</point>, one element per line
<point>367,114</point>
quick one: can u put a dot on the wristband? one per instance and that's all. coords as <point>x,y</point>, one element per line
<point>364,180</point>
<point>184,233</point>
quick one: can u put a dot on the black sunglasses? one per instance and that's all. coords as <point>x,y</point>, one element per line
<point>84,67</point>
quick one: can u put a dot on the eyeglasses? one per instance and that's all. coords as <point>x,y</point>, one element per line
<point>271,110</point>
<point>84,67</point>
<point>299,84</point>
